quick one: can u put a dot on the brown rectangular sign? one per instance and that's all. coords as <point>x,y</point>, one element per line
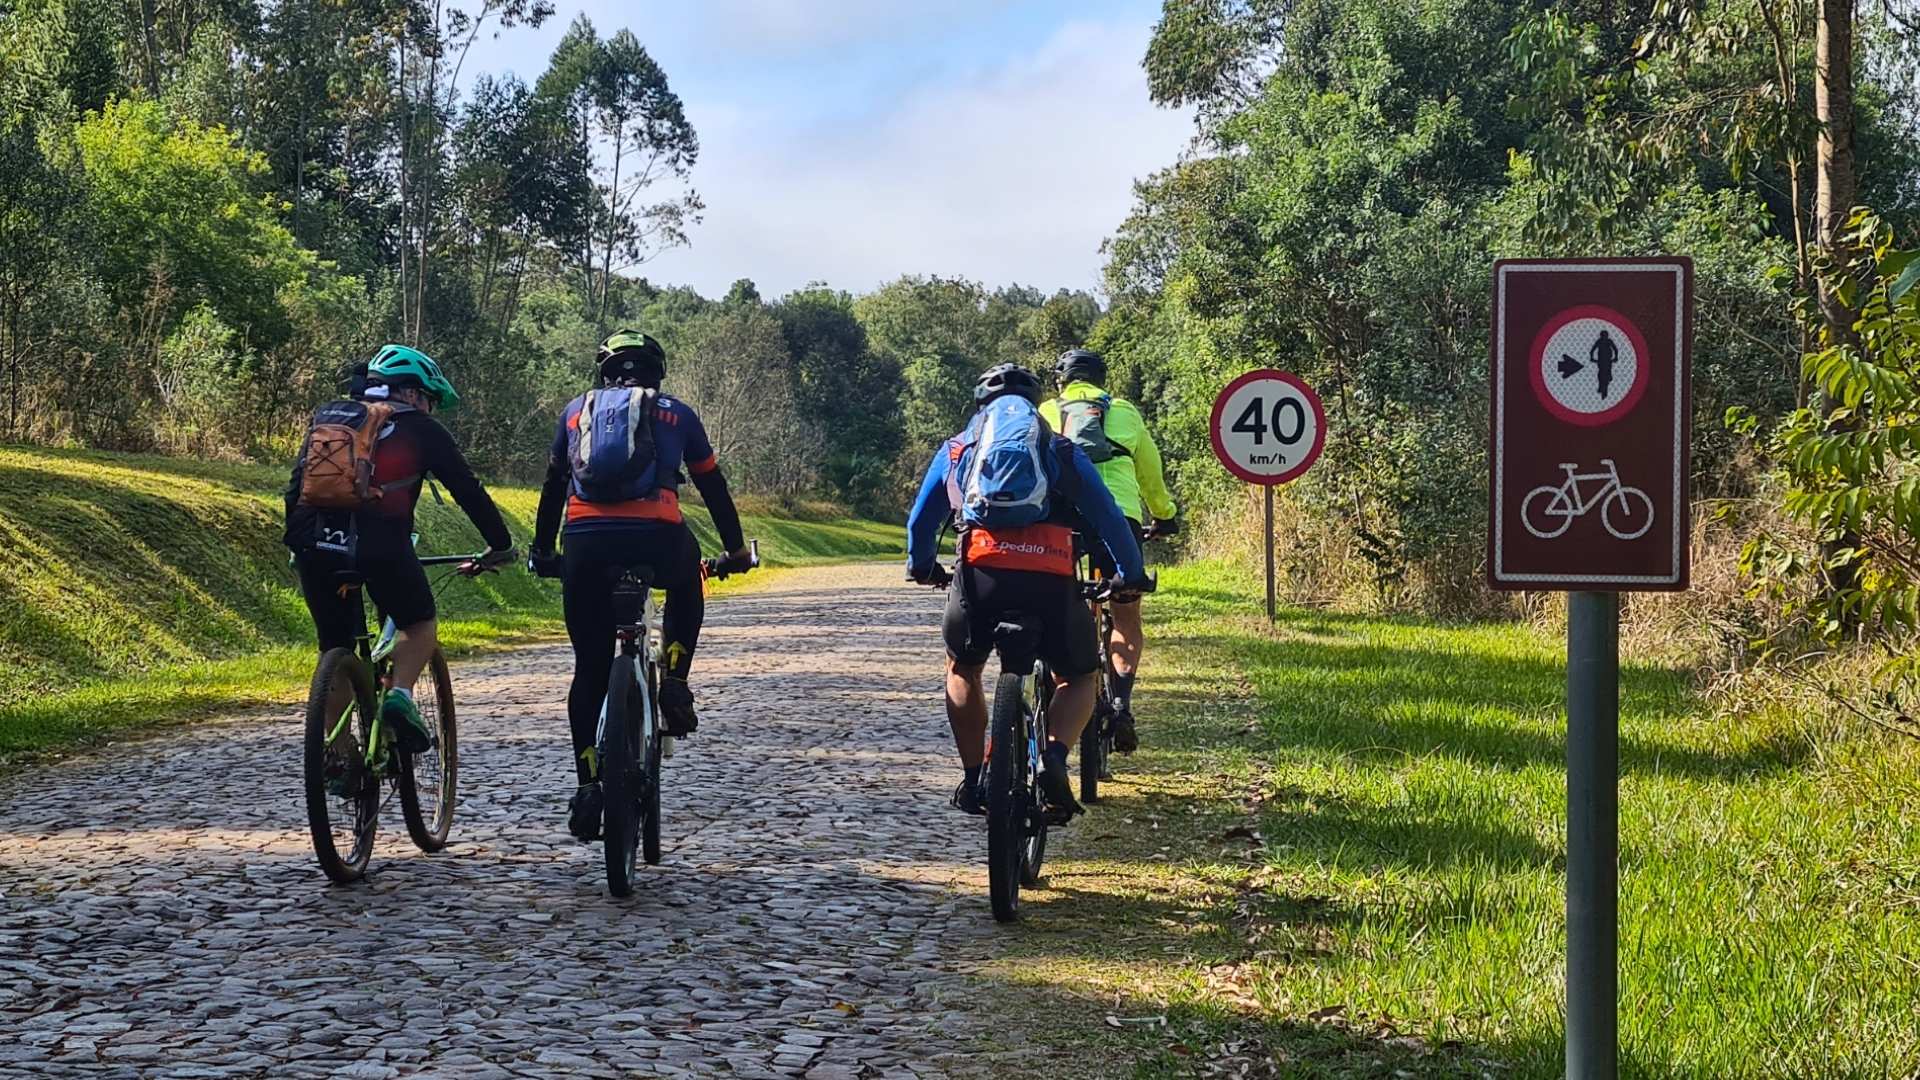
<point>1591,422</point>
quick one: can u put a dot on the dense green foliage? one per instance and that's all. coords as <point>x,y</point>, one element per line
<point>1360,167</point>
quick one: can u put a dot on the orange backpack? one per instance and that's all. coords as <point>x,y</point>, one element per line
<point>337,472</point>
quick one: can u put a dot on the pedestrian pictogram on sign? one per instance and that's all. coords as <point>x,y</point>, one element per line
<point>1590,424</point>
<point>1586,365</point>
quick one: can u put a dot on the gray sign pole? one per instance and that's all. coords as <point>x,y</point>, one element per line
<point>1593,834</point>
<point>1269,552</point>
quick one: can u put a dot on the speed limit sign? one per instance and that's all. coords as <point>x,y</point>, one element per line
<point>1268,427</point>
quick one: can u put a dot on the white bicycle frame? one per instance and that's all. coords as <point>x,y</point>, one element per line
<point>1572,486</point>
<point>650,652</point>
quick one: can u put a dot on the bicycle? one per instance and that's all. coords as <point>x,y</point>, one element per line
<point>1096,741</point>
<point>629,742</point>
<point>1565,502</point>
<point>1017,820</point>
<point>350,755</point>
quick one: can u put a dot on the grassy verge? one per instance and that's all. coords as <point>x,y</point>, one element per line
<point>1340,855</point>
<point>140,590</point>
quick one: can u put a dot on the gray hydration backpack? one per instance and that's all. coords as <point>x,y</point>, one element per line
<point>1084,422</point>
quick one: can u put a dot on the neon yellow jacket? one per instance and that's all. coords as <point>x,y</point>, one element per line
<point>1134,475</point>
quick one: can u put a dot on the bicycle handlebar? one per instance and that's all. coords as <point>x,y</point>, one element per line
<point>722,566</point>
<point>1102,589</point>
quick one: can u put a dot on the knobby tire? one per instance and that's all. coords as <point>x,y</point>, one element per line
<point>429,825</point>
<point>620,777</point>
<point>1006,810</point>
<point>650,792</point>
<point>341,681</point>
<point>1033,847</point>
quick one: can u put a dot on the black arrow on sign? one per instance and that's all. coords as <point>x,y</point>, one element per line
<point>1569,367</point>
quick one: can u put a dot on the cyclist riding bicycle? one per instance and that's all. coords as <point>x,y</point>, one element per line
<point>350,510</point>
<point>1016,568</point>
<point>1114,436</point>
<point>614,475</point>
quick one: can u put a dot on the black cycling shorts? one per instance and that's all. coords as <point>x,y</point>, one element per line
<point>982,598</point>
<point>398,586</point>
<point>1103,562</point>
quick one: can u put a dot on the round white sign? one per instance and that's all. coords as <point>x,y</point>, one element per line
<point>1268,426</point>
<point>1590,365</point>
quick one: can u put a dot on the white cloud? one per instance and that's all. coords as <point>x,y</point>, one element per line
<point>1012,172</point>
<point>779,26</point>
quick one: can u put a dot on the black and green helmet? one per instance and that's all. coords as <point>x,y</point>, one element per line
<point>628,353</point>
<point>398,365</point>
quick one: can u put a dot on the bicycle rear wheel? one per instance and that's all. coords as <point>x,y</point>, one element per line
<point>427,780</point>
<point>621,777</point>
<point>1007,796</point>
<point>650,784</point>
<point>343,794</point>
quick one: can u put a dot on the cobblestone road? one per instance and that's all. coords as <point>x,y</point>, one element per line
<point>161,914</point>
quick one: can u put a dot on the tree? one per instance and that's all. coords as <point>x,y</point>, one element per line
<point>847,391</point>
<point>735,370</point>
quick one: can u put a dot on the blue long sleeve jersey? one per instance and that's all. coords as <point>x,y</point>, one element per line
<point>931,508</point>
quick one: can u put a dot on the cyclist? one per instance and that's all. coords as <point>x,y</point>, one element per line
<point>1115,438</point>
<point>641,526</point>
<point>1027,569</point>
<point>400,388</point>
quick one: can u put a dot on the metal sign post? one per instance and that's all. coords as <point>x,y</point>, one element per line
<point>1269,549</point>
<point>1593,832</point>
<point>1268,426</point>
<point>1591,363</point>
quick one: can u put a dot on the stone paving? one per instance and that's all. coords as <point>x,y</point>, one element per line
<point>161,913</point>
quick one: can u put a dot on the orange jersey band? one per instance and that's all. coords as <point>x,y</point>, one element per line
<point>1046,549</point>
<point>664,506</point>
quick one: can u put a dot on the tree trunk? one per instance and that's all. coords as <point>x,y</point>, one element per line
<point>1835,187</point>
<point>150,43</point>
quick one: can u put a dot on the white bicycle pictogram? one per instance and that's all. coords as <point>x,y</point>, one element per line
<point>1627,512</point>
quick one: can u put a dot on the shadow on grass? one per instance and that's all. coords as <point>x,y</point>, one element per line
<point>1369,699</point>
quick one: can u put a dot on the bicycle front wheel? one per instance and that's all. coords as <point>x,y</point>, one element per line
<point>1093,745</point>
<point>650,764</point>
<point>621,778</point>
<point>1007,796</point>
<point>427,779</point>
<point>343,793</point>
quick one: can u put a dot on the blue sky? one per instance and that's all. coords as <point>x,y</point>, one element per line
<point>853,141</point>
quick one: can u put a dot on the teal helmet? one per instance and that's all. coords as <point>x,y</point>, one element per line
<point>398,365</point>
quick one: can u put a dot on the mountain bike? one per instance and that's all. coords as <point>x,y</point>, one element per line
<point>351,757</point>
<point>630,742</point>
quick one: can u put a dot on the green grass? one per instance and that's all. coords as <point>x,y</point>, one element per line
<point>142,590</point>
<point>1341,854</point>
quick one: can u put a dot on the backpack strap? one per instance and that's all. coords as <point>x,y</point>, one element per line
<point>956,449</point>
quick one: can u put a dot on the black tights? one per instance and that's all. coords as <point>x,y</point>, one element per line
<point>594,562</point>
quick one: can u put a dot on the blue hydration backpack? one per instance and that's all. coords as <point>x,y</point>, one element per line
<point>1001,474</point>
<point>611,448</point>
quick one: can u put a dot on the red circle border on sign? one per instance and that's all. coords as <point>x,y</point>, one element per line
<point>1643,369</point>
<point>1319,426</point>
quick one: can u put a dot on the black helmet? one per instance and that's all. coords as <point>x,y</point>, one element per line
<point>1080,364</point>
<point>1008,379</point>
<point>631,356</point>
